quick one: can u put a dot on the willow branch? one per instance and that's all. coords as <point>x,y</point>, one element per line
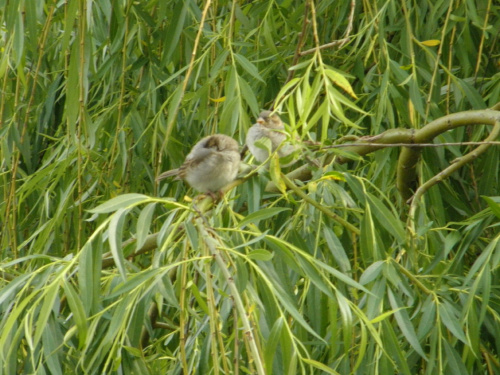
<point>412,140</point>
<point>406,173</point>
<point>458,163</point>
<point>213,247</point>
<point>339,42</point>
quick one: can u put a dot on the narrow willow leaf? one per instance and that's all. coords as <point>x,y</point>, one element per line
<point>252,241</point>
<point>387,219</point>
<point>336,248</point>
<point>143,224</point>
<point>134,282</point>
<point>230,115</point>
<point>372,272</point>
<point>431,42</point>
<point>471,93</point>
<point>453,359</point>
<point>313,274</point>
<point>288,86</point>
<point>72,91</point>
<point>320,366</point>
<point>265,213</point>
<point>342,82</point>
<point>289,306</point>
<point>275,172</point>
<point>301,65</point>
<point>199,298</point>
<point>9,290</point>
<point>428,318</point>
<point>89,274</point>
<point>394,349</point>
<point>404,323</point>
<point>248,66</point>
<point>494,206</point>
<point>451,320</point>
<point>248,95</point>
<point>115,230</point>
<point>368,239</point>
<point>77,308</point>
<point>176,25</point>
<point>272,343</point>
<point>122,201</point>
<point>49,297</point>
<point>51,341</point>
<point>260,254</point>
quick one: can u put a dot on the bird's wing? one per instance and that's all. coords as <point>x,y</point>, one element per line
<point>196,156</point>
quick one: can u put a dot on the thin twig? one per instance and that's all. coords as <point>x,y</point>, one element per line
<point>214,247</point>
<point>324,46</point>
<point>414,144</point>
<point>339,42</point>
<point>300,43</point>
<point>170,125</point>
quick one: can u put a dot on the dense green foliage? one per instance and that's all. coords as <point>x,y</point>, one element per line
<point>105,271</point>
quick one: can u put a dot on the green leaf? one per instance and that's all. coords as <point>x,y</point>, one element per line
<point>143,224</point>
<point>248,66</point>
<point>451,320</point>
<point>387,219</point>
<point>404,323</point>
<point>372,272</point>
<point>260,254</point>
<point>76,306</point>
<point>494,206</point>
<point>320,366</point>
<point>262,214</point>
<point>272,343</point>
<point>275,172</point>
<point>49,297</point>
<point>455,363</point>
<point>115,231</point>
<point>122,201</point>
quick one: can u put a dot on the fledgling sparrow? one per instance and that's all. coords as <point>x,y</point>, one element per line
<point>210,165</point>
<point>269,125</point>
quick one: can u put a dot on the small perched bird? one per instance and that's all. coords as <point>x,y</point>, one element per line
<point>269,125</point>
<point>212,164</point>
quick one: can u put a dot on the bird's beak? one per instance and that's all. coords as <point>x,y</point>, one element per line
<point>260,120</point>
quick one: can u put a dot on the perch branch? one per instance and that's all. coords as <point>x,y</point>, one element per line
<point>406,173</point>
<point>458,163</point>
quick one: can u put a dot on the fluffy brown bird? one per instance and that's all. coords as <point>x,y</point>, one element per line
<point>212,164</point>
<point>269,125</point>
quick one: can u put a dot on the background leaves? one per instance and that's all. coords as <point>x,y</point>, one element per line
<point>104,271</point>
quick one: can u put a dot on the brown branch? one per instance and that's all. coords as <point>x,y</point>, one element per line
<point>412,142</point>
<point>324,46</point>
<point>413,145</point>
<point>409,156</point>
<point>458,163</point>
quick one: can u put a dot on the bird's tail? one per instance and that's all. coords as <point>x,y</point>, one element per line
<point>170,173</point>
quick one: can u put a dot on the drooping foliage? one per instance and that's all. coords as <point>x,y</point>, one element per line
<point>363,257</point>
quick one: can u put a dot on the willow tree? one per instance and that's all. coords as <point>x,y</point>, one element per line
<point>377,252</point>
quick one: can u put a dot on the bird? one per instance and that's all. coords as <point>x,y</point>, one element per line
<point>269,125</point>
<point>211,164</point>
